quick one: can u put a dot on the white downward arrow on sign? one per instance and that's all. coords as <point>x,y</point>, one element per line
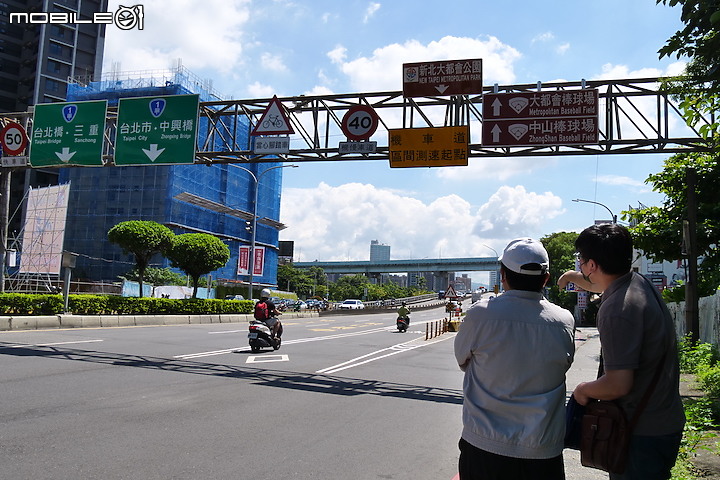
<point>441,88</point>
<point>65,155</point>
<point>154,152</point>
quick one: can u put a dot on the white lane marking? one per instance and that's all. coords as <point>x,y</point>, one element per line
<point>51,344</point>
<point>205,354</point>
<point>227,331</point>
<point>285,342</point>
<point>267,359</point>
<point>394,350</point>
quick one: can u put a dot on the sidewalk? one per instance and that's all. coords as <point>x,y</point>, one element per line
<point>584,368</point>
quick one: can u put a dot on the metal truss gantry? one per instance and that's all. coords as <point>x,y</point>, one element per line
<point>635,117</point>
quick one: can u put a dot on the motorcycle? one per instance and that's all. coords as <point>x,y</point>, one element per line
<point>403,321</point>
<point>259,337</point>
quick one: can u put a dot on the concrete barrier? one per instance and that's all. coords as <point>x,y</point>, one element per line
<point>22,322</point>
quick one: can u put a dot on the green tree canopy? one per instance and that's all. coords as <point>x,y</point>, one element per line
<point>198,254</point>
<point>699,40</point>
<point>561,250</point>
<point>658,231</point>
<point>143,239</point>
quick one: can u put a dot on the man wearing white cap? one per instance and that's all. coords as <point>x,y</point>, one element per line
<point>515,350</point>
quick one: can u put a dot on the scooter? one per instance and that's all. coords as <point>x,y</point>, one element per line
<point>403,321</point>
<point>259,336</point>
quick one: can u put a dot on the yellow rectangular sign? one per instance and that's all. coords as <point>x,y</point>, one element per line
<point>429,147</point>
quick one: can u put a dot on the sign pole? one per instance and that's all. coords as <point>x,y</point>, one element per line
<point>5,174</point>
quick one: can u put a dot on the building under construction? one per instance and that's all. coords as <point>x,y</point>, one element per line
<point>216,199</point>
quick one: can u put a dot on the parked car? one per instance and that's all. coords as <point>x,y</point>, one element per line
<point>234,297</point>
<point>352,304</point>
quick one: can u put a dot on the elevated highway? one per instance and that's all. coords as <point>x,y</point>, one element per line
<point>439,266</point>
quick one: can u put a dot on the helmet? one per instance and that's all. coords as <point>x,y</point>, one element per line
<point>265,293</point>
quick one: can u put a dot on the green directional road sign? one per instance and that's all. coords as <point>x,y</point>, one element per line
<point>68,134</point>
<point>156,130</point>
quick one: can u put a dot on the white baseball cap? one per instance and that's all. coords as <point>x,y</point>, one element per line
<point>526,252</point>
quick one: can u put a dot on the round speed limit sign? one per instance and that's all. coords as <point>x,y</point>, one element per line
<point>360,122</point>
<point>13,138</point>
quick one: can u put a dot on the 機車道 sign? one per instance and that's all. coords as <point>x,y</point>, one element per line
<point>68,134</point>
<point>156,130</point>
<point>429,147</point>
<point>562,117</point>
<point>447,77</point>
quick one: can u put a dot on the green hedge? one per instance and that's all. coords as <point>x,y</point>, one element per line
<point>33,304</point>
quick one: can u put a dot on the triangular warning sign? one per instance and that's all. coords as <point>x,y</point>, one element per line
<point>273,120</point>
<point>450,292</point>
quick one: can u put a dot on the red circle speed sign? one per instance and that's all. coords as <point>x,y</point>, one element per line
<point>13,138</point>
<point>360,122</point>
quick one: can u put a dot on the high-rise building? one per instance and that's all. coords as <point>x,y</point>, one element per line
<point>379,252</point>
<point>36,61</point>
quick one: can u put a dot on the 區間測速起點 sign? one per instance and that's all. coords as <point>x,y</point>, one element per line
<point>429,147</point>
<point>156,130</point>
<point>68,134</point>
<point>562,117</point>
<point>446,77</point>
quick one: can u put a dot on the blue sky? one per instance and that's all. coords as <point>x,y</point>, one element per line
<point>252,49</point>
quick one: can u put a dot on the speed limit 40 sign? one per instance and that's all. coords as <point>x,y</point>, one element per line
<point>360,122</point>
<point>13,138</point>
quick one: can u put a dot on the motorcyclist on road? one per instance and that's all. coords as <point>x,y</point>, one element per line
<point>404,312</point>
<point>266,312</point>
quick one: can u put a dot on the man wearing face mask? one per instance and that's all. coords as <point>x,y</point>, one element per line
<point>637,337</point>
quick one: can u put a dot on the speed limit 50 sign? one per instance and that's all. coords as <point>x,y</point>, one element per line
<point>360,122</point>
<point>13,138</point>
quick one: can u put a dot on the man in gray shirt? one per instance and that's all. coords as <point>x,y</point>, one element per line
<point>515,350</point>
<point>636,334</point>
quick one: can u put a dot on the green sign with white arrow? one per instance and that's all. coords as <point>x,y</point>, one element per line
<point>68,134</point>
<point>156,130</point>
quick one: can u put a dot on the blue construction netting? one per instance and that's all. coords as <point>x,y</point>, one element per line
<point>100,198</point>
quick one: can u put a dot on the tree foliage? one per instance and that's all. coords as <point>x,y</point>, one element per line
<point>157,276</point>
<point>699,87</point>
<point>658,231</point>
<point>143,239</point>
<point>561,251</point>
<point>198,254</point>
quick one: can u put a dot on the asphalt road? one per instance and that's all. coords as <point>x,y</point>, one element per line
<point>345,397</point>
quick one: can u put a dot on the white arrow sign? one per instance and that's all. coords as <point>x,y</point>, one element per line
<point>66,154</point>
<point>496,107</point>
<point>154,152</point>
<point>441,88</point>
<point>496,133</point>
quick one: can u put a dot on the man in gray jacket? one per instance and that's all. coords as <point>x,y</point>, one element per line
<point>515,350</point>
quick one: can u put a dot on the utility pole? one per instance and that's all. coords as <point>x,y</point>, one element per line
<point>692,318</point>
<point>4,219</point>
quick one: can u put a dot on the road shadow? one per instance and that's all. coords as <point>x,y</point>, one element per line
<point>327,384</point>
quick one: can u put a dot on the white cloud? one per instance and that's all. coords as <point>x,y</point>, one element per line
<point>543,37</point>
<point>258,90</point>
<point>210,37</point>
<point>272,62</point>
<point>371,10</point>
<point>382,70</point>
<point>562,49</point>
<point>338,223</point>
<point>337,54</point>
<point>512,212</point>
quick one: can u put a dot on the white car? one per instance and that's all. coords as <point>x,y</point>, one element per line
<point>352,304</point>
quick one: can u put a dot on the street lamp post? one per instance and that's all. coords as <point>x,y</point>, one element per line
<point>497,275</point>
<point>614,217</point>
<point>251,256</point>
